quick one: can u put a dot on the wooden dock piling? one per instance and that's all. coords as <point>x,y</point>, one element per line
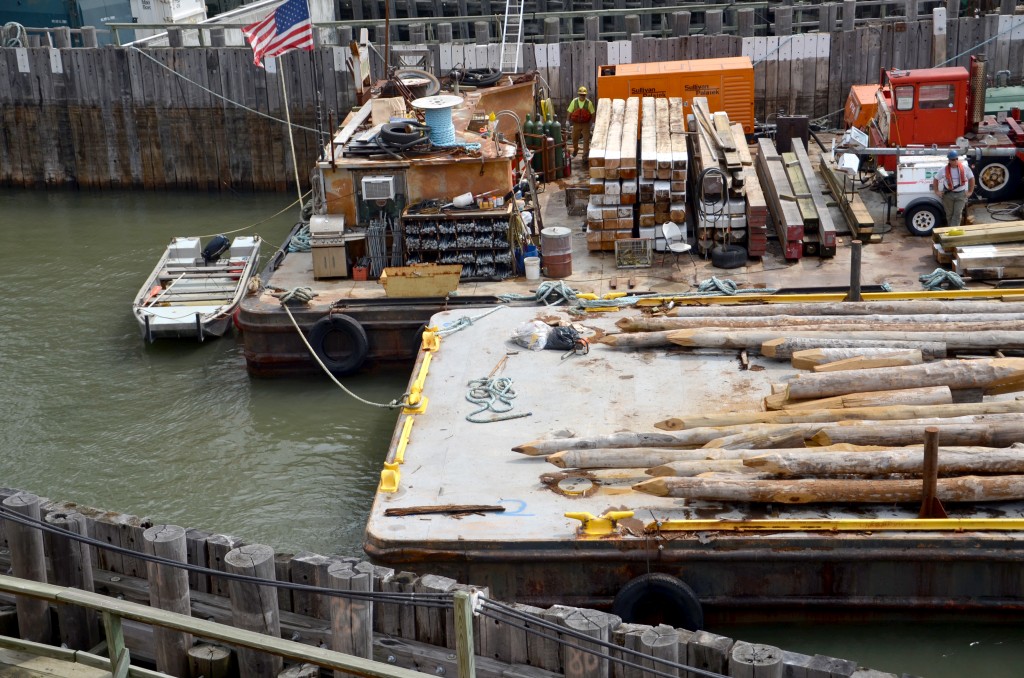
<point>351,619</point>
<point>169,590</point>
<point>254,607</point>
<point>28,562</point>
<point>71,561</point>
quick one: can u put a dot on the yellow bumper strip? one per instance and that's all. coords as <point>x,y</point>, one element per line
<point>841,525</point>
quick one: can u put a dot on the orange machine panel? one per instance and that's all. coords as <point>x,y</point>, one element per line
<point>860,106</point>
<point>727,83</point>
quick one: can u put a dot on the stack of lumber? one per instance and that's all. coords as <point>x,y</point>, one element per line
<point>819,230</point>
<point>781,199</point>
<point>880,373</point>
<point>982,251</point>
<point>663,162</point>
<point>722,210</point>
<point>757,214</point>
<point>842,187</point>
<point>613,173</point>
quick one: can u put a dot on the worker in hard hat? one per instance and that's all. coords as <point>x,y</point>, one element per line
<point>581,113</point>
<point>954,184</point>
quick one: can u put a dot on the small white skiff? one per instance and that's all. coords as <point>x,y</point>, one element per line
<point>193,292</point>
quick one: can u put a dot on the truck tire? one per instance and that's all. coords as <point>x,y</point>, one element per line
<point>922,219</point>
<point>997,178</point>
<point>728,256</point>
<point>658,598</point>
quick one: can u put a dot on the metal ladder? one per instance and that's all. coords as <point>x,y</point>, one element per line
<point>512,36</point>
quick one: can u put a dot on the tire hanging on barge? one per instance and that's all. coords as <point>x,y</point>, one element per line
<point>658,598</point>
<point>344,354</point>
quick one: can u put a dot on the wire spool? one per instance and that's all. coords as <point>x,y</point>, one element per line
<point>437,113</point>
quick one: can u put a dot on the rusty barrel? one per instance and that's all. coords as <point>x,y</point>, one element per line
<point>556,248</point>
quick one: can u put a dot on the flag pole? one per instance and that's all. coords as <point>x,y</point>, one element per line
<point>291,138</point>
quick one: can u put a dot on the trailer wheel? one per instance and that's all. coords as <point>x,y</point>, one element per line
<point>922,219</point>
<point>997,178</point>
<point>658,598</point>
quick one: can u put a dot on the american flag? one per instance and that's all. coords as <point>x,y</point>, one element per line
<point>287,27</point>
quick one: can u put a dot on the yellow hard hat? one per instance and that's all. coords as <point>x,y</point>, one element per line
<point>581,90</point>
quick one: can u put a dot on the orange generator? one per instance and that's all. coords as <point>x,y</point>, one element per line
<point>728,84</point>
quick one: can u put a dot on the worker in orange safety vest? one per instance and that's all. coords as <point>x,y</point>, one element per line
<point>581,113</point>
<point>954,185</point>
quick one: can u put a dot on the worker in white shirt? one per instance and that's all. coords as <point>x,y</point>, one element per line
<point>955,184</point>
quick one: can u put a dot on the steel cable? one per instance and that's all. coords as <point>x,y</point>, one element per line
<point>439,600</point>
<point>495,609</point>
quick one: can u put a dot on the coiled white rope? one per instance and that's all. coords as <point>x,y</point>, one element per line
<point>494,394</point>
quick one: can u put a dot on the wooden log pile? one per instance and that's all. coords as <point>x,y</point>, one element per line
<point>850,428</point>
<point>613,173</point>
<point>663,163</point>
<point>992,251</point>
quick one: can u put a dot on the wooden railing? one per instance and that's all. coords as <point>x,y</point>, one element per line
<point>114,610</point>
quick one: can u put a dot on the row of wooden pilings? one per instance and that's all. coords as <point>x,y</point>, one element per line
<point>418,637</point>
<point>254,606</point>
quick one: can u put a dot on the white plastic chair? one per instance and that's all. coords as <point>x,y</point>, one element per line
<point>673,241</point>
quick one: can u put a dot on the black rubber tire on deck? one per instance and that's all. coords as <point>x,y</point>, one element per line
<point>659,598</point>
<point>353,339</point>
<point>728,256</point>
<point>397,133</point>
<point>480,77</point>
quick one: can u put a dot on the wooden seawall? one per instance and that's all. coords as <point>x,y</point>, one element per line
<point>206,118</point>
<point>410,636</point>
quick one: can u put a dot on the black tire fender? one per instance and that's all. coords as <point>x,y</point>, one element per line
<point>354,340</point>
<point>922,218</point>
<point>728,256</point>
<point>659,598</point>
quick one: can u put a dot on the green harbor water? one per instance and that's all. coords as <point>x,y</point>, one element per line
<point>180,433</point>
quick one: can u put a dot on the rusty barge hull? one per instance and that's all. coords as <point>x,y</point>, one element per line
<point>533,552</point>
<point>273,347</point>
<point>745,578</point>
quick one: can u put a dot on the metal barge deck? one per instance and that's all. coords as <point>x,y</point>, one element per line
<point>532,553</point>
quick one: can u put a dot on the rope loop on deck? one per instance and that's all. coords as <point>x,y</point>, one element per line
<point>492,394</point>
<point>942,279</point>
<point>713,285</point>
<point>463,322</point>
<point>303,295</point>
<point>549,288</point>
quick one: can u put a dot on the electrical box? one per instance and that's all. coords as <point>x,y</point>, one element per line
<point>378,188</point>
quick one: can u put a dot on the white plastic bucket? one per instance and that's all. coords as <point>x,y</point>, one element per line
<point>532,266</point>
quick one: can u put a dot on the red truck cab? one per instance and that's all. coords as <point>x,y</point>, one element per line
<point>922,107</point>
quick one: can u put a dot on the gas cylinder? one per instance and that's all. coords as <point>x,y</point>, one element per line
<point>530,129</point>
<point>556,134</point>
